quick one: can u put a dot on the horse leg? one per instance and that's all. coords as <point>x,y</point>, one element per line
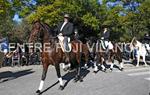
<point>111,66</point>
<point>112,63</point>
<point>86,60</point>
<point>138,60</point>
<point>96,60</point>
<point>121,66</point>
<point>95,67</point>
<point>119,58</point>
<point>45,68</point>
<point>57,67</point>
<point>144,60</point>
<point>64,67</point>
<point>78,76</point>
<point>102,64</point>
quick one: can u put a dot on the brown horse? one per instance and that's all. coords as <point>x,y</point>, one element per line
<point>41,32</point>
<point>117,54</point>
<point>102,55</point>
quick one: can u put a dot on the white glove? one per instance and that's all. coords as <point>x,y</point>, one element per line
<point>102,38</point>
<point>60,34</point>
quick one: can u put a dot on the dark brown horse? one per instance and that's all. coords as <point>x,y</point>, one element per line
<point>41,32</point>
<point>110,55</point>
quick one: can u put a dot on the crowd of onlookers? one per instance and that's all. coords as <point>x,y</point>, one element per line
<point>22,56</point>
<point>17,56</point>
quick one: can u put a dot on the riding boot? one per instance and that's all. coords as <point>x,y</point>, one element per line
<point>67,54</point>
<point>106,53</point>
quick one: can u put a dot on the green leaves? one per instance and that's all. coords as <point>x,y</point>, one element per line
<point>87,15</point>
<point>49,14</point>
<point>90,20</point>
<point>93,16</point>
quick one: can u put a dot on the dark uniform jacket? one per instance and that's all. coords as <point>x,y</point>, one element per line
<point>67,29</point>
<point>106,35</point>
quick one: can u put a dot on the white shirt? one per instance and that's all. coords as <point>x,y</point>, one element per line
<point>63,26</point>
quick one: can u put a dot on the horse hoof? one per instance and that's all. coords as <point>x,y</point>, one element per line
<point>145,65</point>
<point>111,69</point>
<point>61,87</point>
<point>85,67</point>
<point>65,69</point>
<point>75,80</point>
<point>104,70</point>
<point>95,72</point>
<point>38,92</point>
<point>121,69</point>
<point>81,80</point>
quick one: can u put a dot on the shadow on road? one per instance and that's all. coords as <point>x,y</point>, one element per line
<point>68,77</point>
<point>71,75</point>
<point>8,75</point>
<point>49,87</point>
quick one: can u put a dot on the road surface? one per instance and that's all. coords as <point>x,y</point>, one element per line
<point>25,81</point>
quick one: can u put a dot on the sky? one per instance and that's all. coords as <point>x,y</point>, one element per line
<point>16,16</point>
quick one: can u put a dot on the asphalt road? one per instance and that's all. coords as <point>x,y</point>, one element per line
<point>25,81</point>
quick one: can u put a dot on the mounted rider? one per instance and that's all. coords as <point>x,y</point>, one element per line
<point>64,33</point>
<point>65,30</point>
<point>105,38</point>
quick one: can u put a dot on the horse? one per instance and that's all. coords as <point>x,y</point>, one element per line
<point>139,50</point>
<point>85,49</point>
<point>43,33</point>
<point>109,54</point>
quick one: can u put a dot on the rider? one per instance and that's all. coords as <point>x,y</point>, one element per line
<point>105,37</point>
<point>65,29</point>
<point>76,34</point>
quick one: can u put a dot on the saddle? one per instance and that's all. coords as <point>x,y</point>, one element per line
<point>106,45</point>
<point>61,42</point>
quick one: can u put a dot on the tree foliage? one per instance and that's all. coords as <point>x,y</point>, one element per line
<point>127,19</point>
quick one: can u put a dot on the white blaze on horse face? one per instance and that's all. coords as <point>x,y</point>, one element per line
<point>60,81</point>
<point>41,85</point>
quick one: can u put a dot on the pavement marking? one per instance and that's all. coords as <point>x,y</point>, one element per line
<point>147,78</point>
<point>133,69</point>
<point>139,73</point>
<point>137,69</point>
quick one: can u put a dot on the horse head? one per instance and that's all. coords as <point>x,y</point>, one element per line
<point>36,32</point>
<point>133,44</point>
<point>40,32</point>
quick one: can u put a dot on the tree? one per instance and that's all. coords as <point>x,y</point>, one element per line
<point>88,16</point>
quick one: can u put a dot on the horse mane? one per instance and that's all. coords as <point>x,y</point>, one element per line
<point>44,25</point>
<point>48,29</point>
